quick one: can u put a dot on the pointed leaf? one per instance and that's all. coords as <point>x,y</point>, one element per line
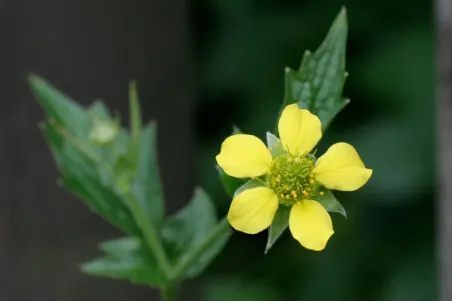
<point>236,130</point>
<point>250,184</point>
<point>188,228</point>
<point>329,201</point>
<point>99,108</point>
<point>126,259</point>
<point>135,112</point>
<point>59,107</point>
<point>279,225</point>
<point>80,177</point>
<point>274,145</point>
<point>317,85</point>
<point>121,247</point>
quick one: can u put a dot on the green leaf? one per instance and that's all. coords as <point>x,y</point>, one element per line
<point>59,107</point>
<point>98,108</point>
<point>236,130</point>
<point>317,85</point>
<point>126,258</point>
<point>147,186</point>
<point>279,225</point>
<point>231,184</point>
<point>250,184</point>
<point>81,177</point>
<point>125,172</point>
<point>329,201</point>
<point>274,145</point>
<point>187,230</point>
<point>135,112</point>
<point>121,247</point>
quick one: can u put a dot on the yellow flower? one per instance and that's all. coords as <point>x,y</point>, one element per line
<point>291,177</point>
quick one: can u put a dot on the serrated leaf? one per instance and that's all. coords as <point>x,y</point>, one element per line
<point>279,225</point>
<point>274,145</point>
<point>329,201</point>
<point>126,258</point>
<point>188,229</point>
<point>317,85</point>
<point>81,177</point>
<point>230,184</point>
<point>250,184</point>
<point>147,186</point>
<point>59,107</point>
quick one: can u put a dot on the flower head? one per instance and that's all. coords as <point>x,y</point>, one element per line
<point>292,177</point>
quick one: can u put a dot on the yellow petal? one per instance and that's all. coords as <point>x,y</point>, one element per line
<point>340,168</point>
<point>299,129</point>
<point>310,224</point>
<point>244,155</point>
<point>252,211</point>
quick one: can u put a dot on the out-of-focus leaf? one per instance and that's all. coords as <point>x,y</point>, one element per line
<point>231,184</point>
<point>236,130</point>
<point>279,225</point>
<point>59,107</point>
<point>188,229</point>
<point>135,112</point>
<point>147,186</point>
<point>329,201</point>
<point>125,172</point>
<point>126,258</point>
<point>99,108</point>
<point>81,177</point>
<point>317,85</point>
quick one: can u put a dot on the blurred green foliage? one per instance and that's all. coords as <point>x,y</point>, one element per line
<point>115,173</point>
<point>385,249</point>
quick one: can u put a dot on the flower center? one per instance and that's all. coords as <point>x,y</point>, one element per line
<point>291,178</point>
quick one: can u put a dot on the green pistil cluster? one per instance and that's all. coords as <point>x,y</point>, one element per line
<point>291,178</point>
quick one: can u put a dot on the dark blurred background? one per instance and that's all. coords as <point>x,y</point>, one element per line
<point>201,67</point>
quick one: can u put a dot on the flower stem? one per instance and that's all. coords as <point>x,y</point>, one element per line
<point>168,294</point>
<point>181,267</point>
<point>149,232</point>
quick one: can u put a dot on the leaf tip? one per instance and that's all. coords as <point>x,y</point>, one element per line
<point>344,11</point>
<point>236,130</point>
<point>341,18</point>
<point>31,77</point>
